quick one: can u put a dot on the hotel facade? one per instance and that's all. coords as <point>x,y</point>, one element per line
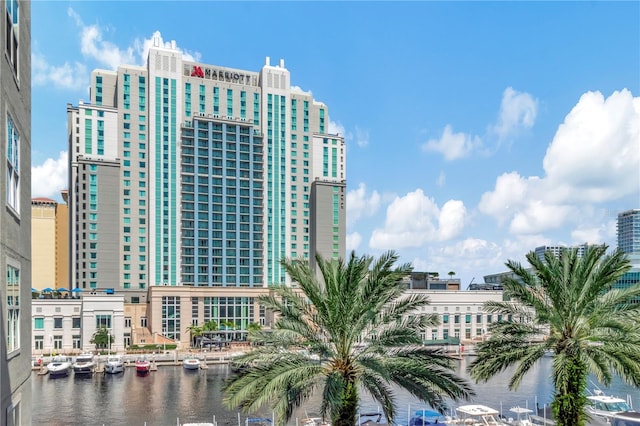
<point>184,174</point>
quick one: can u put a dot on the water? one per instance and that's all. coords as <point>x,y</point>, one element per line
<point>170,394</point>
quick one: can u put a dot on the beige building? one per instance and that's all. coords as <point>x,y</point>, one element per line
<point>49,243</point>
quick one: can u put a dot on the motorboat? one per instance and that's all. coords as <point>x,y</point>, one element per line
<point>142,365</point>
<point>427,417</point>
<point>84,364</point>
<point>114,364</point>
<point>59,366</point>
<point>629,418</point>
<point>191,363</point>
<point>606,406</point>
<point>478,415</point>
<point>522,416</point>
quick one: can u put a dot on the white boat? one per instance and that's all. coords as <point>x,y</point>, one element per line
<point>606,406</point>
<point>191,363</point>
<point>522,416</point>
<point>84,364</point>
<point>478,415</point>
<point>59,366</point>
<point>114,364</point>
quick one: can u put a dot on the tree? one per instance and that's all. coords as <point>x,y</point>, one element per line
<point>194,331</point>
<point>358,331</point>
<point>210,326</point>
<point>568,307</point>
<point>451,274</point>
<point>102,338</point>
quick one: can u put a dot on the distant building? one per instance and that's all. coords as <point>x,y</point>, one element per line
<point>430,281</point>
<point>49,243</point>
<point>556,250</point>
<point>628,230</point>
<point>15,219</point>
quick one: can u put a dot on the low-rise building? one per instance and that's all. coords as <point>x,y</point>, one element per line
<point>67,325</point>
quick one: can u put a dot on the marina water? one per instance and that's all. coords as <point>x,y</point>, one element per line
<point>172,394</point>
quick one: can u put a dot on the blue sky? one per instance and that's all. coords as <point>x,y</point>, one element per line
<point>475,131</point>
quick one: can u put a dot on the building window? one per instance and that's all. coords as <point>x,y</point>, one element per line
<point>13,166</point>
<point>143,321</point>
<point>38,343</point>
<point>13,308</point>
<point>103,321</point>
<point>11,46</point>
<point>38,323</point>
<point>57,342</point>
<point>127,322</point>
<point>57,322</point>
<point>76,322</point>
<point>77,342</point>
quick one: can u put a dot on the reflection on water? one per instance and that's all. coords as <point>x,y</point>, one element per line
<point>171,393</point>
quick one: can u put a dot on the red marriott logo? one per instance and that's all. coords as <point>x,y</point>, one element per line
<point>197,72</point>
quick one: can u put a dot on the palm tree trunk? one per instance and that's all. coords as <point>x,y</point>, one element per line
<point>346,415</point>
<point>570,399</point>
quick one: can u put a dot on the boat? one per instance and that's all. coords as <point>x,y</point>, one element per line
<point>191,363</point>
<point>522,416</point>
<point>427,417</point>
<point>142,365</point>
<point>114,364</point>
<point>606,406</point>
<point>375,420</point>
<point>478,415</point>
<point>84,364</point>
<point>629,418</point>
<point>59,366</point>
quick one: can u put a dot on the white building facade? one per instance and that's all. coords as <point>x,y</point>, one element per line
<point>67,325</point>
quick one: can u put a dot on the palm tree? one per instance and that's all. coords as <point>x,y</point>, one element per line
<point>357,331</point>
<point>568,306</point>
<point>210,325</point>
<point>194,331</point>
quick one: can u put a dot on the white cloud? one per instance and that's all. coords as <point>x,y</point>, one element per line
<point>415,219</point>
<point>93,45</point>
<point>453,145</point>
<point>299,89</point>
<point>336,128</point>
<point>517,110</point>
<point>451,220</point>
<point>67,76</point>
<point>593,158</point>
<point>360,203</point>
<point>442,178</point>
<point>49,178</point>
<point>594,155</point>
<point>362,137</point>
<point>353,241</point>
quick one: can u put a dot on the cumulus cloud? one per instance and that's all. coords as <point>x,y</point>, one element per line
<point>360,203</point>
<point>594,154</point>
<point>51,177</point>
<point>66,76</point>
<point>517,110</point>
<point>593,158</point>
<point>336,128</point>
<point>453,145</point>
<point>415,219</point>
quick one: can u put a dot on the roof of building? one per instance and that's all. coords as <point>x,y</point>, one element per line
<point>43,200</point>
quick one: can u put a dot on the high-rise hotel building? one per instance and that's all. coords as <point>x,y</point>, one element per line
<point>187,174</point>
